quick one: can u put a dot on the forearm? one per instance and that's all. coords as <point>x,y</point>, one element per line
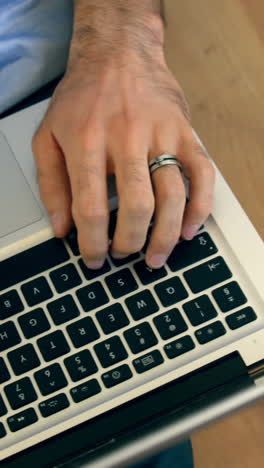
<point>108,27</point>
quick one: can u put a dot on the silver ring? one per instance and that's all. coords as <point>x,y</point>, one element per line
<point>164,160</point>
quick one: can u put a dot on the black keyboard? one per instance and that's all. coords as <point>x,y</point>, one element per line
<point>68,333</point>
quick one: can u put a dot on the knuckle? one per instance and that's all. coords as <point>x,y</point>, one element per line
<point>141,207</point>
<point>201,210</point>
<point>84,210</point>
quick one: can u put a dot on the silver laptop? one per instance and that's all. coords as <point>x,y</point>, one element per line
<point>105,368</point>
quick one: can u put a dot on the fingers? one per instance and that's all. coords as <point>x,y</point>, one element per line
<point>86,161</point>
<point>201,173</point>
<point>53,180</point>
<point>136,199</point>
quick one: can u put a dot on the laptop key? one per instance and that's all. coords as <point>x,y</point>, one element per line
<point>178,347</point>
<point>171,291</point>
<point>188,252</point>
<point>23,359</point>
<point>20,393</point>
<point>85,390</point>
<point>92,296</point>
<point>229,296</point>
<point>36,291</point>
<point>91,274</point>
<point>141,305</point>
<point>2,431</point>
<point>8,336</point>
<point>199,310</point>
<point>170,324</point>
<point>21,420</point>
<point>210,332</point>
<point>208,274</point>
<point>72,240</point>
<point>148,361</point>
<point>10,304</point>
<point>54,405</point>
<point>33,323</point>
<point>32,262</point>
<point>140,338</point>
<point>3,409</point>
<point>116,376</point>
<point>50,379</point>
<point>121,283</point>
<point>110,351</point>
<point>80,365</point>
<point>53,345</point>
<point>112,318</point>
<point>62,310</point>
<point>148,275</point>
<point>65,278</point>
<point>4,372</point>
<point>118,262</point>
<point>112,223</point>
<point>83,332</point>
<point>240,318</point>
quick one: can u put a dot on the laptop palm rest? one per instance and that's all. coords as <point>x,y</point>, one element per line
<point>18,207</point>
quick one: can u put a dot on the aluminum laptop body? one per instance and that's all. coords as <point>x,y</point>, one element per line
<point>154,396</point>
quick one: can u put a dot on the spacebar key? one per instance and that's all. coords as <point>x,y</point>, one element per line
<point>32,262</point>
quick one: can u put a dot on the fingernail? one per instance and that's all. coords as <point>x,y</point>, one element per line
<point>57,220</point>
<point>157,261</point>
<point>190,231</point>
<point>118,255</point>
<point>94,264</point>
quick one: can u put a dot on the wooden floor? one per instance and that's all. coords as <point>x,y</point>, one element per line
<point>216,50</point>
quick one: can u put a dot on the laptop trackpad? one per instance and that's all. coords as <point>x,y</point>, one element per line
<point>18,207</point>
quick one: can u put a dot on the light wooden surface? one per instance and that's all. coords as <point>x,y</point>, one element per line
<point>216,50</point>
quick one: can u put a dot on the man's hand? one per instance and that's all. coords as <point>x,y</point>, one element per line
<point>117,108</point>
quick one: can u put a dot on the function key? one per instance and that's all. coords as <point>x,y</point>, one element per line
<point>141,305</point>
<point>34,323</point>
<point>91,274</point>
<point>85,390</point>
<point>54,405</point>
<point>178,347</point>
<point>199,310</point>
<point>170,324</point>
<point>73,242</point>
<point>62,310</point>
<point>208,274</point>
<point>140,338</point>
<point>8,336</point>
<point>83,332</point>
<point>65,278</point>
<point>112,318</point>
<point>229,296</point>
<point>4,372</point>
<point>240,318</point>
<point>210,332</point>
<point>3,409</point>
<point>32,262</point>
<point>148,361</point>
<point>148,275</point>
<point>53,345</point>
<point>80,365</point>
<point>111,351</point>
<point>23,359</point>
<point>2,431</point>
<point>20,393</point>
<point>23,419</point>
<point>116,376</point>
<point>10,304</point>
<point>92,296</point>
<point>36,291</point>
<point>50,379</point>
<point>171,291</point>
<point>188,252</point>
<point>118,262</point>
<point>121,283</point>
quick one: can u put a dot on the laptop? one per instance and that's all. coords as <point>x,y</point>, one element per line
<point>105,368</point>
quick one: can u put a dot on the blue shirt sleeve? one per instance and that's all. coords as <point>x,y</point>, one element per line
<point>34,43</point>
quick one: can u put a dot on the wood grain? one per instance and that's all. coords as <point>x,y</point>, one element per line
<point>216,51</point>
